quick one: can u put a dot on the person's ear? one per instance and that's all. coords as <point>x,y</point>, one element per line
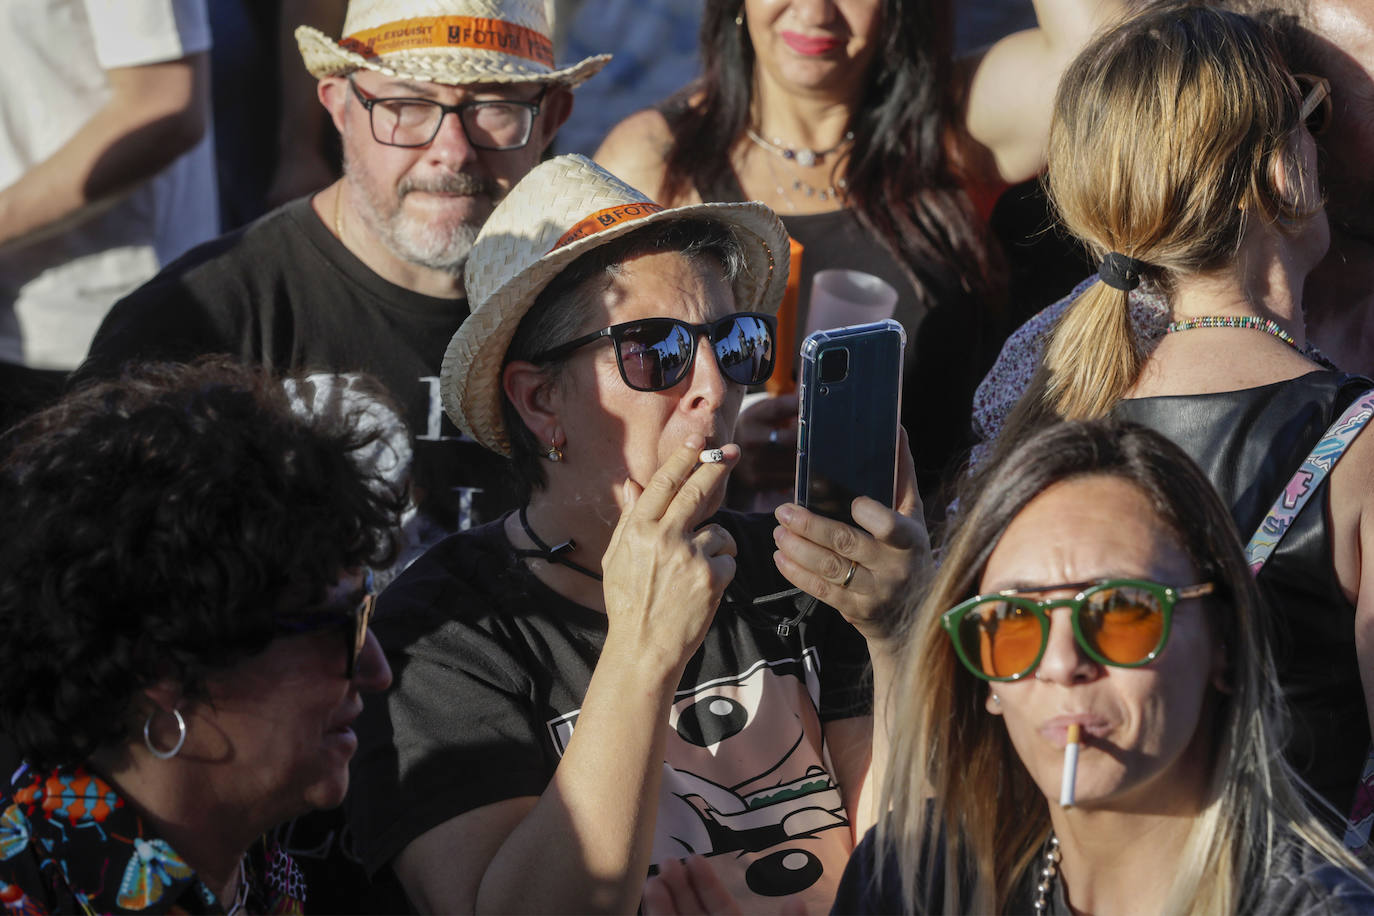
<point>534,396</point>
<point>333,92</point>
<point>553,111</point>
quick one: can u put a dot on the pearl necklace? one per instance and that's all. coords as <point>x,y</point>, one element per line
<point>803,156</point>
<point>1267,325</point>
<point>1048,875</point>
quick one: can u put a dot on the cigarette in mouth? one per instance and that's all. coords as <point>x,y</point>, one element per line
<point>711,456</point>
<point>1070,767</point>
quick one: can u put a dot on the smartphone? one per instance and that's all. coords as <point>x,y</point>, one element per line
<point>851,404</point>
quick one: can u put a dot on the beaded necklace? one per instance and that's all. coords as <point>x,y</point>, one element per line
<point>1049,874</point>
<point>804,157</point>
<point>1267,325</point>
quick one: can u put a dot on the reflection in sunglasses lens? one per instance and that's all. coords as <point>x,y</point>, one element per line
<point>1003,636</point>
<point>654,354</point>
<point>745,350</point>
<point>1123,625</point>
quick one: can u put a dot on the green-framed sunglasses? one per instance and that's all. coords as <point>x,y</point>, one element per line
<point>1119,622</point>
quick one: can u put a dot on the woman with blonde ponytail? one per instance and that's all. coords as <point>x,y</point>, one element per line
<point>1181,154</point>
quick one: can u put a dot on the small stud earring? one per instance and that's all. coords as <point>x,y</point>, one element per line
<point>553,453</point>
<point>739,17</point>
<point>996,700</point>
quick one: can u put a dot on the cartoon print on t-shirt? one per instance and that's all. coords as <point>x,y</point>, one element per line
<point>745,780</point>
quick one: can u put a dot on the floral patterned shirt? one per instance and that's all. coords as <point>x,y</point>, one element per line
<point>70,844</point>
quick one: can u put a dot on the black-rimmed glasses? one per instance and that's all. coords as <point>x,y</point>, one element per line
<point>494,124</point>
<point>654,354</point>
<point>354,622</point>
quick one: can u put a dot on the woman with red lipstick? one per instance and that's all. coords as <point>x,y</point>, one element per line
<point>881,153</point>
<point>184,638</point>
<point>1095,584</point>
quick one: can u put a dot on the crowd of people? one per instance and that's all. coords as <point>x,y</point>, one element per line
<point>521,429</point>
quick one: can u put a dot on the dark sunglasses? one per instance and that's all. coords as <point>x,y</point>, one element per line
<point>1315,110</point>
<point>654,354</point>
<point>1119,622</point>
<point>353,622</point>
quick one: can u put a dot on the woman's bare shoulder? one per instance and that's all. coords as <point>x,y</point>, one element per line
<point>637,149</point>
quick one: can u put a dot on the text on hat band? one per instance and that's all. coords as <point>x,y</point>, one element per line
<point>451,32</point>
<point>605,219</point>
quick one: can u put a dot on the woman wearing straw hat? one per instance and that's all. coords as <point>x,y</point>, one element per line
<point>521,762</point>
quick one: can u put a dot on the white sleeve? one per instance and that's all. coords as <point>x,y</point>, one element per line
<point>130,33</point>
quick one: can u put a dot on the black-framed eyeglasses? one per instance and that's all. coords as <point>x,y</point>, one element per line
<point>495,124</point>
<point>1315,110</point>
<point>353,622</point>
<point>1119,622</point>
<point>654,354</point>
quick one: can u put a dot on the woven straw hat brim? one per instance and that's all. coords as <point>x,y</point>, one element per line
<point>323,57</point>
<point>470,380</point>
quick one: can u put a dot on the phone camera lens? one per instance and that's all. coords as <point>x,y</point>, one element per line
<point>834,365</point>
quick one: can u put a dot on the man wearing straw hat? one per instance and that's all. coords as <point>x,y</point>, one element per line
<point>442,105</point>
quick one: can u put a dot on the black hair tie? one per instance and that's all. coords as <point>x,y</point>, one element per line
<point>1120,271</point>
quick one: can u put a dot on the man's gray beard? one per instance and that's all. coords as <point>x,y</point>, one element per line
<point>434,247</point>
<point>441,248</point>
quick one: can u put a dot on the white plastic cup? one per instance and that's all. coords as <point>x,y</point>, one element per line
<point>841,297</point>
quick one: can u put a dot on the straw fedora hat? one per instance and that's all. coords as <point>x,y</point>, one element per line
<point>444,41</point>
<point>562,209</point>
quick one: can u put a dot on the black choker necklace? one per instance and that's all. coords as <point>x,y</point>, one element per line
<point>552,554</point>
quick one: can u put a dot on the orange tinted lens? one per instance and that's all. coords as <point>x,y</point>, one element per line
<point>1004,637</point>
<point>1123,625</point>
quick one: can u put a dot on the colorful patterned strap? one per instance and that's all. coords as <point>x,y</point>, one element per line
<point>1315,467</point>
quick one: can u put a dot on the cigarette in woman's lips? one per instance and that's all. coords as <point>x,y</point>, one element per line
<point>711,456</point>
<point>1070,767</point>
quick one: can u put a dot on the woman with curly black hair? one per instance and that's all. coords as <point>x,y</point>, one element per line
<point>183,637</point>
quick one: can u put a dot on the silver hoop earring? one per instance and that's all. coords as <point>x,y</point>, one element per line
<point>181,736</point>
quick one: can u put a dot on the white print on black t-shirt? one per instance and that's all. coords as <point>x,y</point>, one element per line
<point>745,779</point>
<point>434,418</point>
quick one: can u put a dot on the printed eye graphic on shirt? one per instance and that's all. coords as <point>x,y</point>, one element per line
<point>746,782</point>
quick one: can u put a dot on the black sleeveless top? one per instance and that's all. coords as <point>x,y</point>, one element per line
<point>1250,443</point>
<point>947,349</point>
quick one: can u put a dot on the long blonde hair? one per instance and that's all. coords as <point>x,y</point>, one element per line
<point>987,818</point>
<point>1169,135</point>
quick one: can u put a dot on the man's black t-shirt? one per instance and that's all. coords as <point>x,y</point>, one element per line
<point>286,294</point>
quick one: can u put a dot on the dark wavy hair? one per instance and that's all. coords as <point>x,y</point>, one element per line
<point>901,183</point>
<point>153,525</point>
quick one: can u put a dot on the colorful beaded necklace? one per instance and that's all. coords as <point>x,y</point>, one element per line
<point>1267,325</point>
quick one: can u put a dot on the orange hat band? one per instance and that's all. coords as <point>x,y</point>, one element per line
<point>602,220</point>
<point>452,32</point>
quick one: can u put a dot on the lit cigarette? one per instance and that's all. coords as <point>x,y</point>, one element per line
<point>711,456</point>
<point>1070,768</point>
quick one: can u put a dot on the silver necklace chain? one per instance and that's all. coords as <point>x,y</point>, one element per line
<point>241,898</point>
<point>803,156</point>
<point>1049,873</point>
<point>828,193</point>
